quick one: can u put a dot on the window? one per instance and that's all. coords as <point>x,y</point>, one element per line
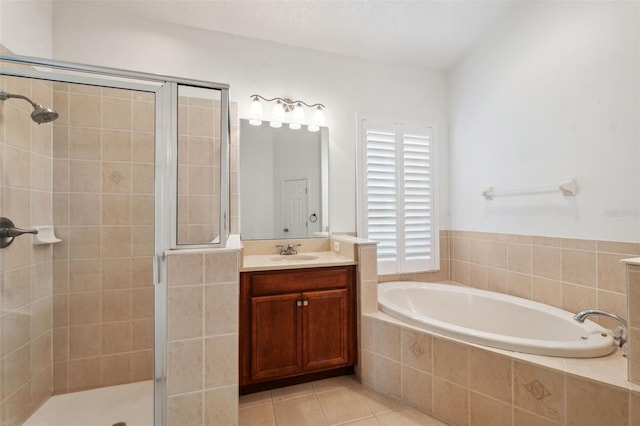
<point>396,195</point>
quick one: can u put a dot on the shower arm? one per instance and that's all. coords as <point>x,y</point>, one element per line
<point>4,96</point>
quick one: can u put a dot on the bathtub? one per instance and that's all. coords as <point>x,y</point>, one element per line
<point>493,319</point>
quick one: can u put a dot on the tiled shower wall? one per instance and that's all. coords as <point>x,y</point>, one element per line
<point>103,210</point>
<point>198,169</point>
<point>25,198</point>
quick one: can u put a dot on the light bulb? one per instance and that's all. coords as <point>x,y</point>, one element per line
<point>256,109</point>
<point>298,114</point>
<point>318,117</point>
<point>278,112</point>
<point>313,128</point>
<point>294,126</point>
<point>254,122</point>
<point>275,124</point>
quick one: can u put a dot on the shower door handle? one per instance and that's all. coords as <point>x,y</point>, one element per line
<point>8,232</point>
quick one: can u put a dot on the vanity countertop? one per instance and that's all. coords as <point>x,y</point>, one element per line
<point>268,262</point>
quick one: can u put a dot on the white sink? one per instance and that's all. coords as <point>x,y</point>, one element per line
<point>294,258</point>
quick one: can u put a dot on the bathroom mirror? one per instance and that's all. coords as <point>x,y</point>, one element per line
<point>284,182</point>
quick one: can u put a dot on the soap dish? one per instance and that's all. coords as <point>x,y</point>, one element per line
<point>45,235</point>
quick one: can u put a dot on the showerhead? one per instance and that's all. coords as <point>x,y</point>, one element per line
<point>40,113</point>
<point>43,114</point>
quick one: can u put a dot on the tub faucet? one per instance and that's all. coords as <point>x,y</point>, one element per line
<point>289,249</point>
<point>620,332</point>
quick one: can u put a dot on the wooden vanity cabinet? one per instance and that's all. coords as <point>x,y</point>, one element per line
<point>275,336</point>
<point>296,322</point>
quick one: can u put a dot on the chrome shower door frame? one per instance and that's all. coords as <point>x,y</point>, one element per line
<point>165,89</point>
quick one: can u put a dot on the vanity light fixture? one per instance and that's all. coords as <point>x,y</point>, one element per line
<point>277,115</point>
<point>286,111</point>
<point>256,112</point>
<point>318,120</point>
<point>298,117</point>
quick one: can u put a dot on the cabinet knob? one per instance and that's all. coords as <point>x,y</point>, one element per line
<point>299,303</point>
<point>305,303</point>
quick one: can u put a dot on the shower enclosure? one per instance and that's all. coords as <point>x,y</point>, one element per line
<point>125,166</point>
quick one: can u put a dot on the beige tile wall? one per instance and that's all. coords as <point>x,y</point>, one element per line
<point>198,169</point>
<point>203,338</point>
<point>367,272</point>
<point>633,286</point>
<point>202,313</point>
<point>465,385</point>
<point>571,274</point>
<point>234,174</point>
<point>365,254</point>
<point>25,281</point>
<point>103,210</point>
<point>568,273</point>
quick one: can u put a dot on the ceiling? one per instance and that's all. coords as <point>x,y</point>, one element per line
<point>431,34</point>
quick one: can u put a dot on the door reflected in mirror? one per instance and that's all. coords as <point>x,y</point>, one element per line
<point>284,182</point>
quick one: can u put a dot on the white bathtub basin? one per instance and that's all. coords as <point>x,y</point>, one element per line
<point>494,319</point>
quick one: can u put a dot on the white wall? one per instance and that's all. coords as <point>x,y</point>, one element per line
<point>26,27</point>
<point>347,86</point>
<point>552,94</point>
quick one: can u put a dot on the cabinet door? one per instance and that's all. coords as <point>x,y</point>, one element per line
<point>326,328</point>
<point>275,336</point>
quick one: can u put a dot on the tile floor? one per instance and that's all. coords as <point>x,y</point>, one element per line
<point>335,401</point>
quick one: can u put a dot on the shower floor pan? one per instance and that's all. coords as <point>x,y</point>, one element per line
<point>131,403</point>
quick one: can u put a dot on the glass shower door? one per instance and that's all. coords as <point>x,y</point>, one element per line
<point>78,313</point>
<point>89,312</point>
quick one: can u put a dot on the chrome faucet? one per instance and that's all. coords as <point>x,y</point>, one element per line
<point>289,249</point>
<point>620,332</point>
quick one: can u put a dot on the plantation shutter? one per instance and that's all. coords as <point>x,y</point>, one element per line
<point>398,195</point>
<point>417,201</point>
<point>382,196</point>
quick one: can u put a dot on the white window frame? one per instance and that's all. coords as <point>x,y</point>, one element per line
<point>400,128</point>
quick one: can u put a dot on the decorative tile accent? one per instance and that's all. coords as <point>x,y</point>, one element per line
<point>116,177</point>
<point>537,389</point>
<point>416,349</point>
